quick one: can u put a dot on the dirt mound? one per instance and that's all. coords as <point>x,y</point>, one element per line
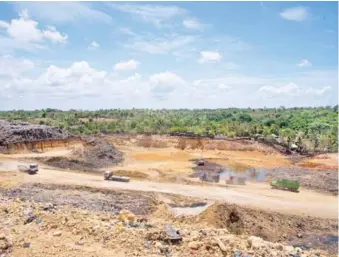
<point>223,216</point>
<point>274,227</point>
<point>95,154</point>
<point>163,212</point>
<point>23,132</point>
<point>131,173</point>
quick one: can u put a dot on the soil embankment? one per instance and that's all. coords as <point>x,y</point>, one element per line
<point>22,136</point>
<point>25,132</point>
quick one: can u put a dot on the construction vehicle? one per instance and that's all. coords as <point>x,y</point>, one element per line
<point>201,162</point>
<point>109,175</point>
<point>285,184</point>
<point>30,169</point>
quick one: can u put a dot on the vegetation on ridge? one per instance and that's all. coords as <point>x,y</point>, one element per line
<point>316,127</point>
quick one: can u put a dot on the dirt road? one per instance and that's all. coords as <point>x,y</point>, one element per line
<point>255,195</point>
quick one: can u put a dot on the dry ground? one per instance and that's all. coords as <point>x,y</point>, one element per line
<point>160,171</point>
<point>257,195</point>
<point>47,220</point>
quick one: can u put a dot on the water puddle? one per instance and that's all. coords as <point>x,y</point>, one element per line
<point>257,175</point>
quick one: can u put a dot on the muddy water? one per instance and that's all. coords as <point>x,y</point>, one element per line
<point>257,175</point>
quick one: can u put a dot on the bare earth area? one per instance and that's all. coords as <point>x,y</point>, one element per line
<point>68,209</point>
<point>46,220</point>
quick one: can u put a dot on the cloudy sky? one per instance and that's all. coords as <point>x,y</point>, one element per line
<point>94,55</point>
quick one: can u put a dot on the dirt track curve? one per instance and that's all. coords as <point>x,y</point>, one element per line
<point>258,196</point>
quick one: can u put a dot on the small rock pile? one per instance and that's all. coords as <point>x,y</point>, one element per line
<point>96,154</point>
<point>48,230</point>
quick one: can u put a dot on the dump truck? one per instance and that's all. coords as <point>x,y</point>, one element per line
<point>30,169</point>
<point>285,184</point>
<point>109,175</point>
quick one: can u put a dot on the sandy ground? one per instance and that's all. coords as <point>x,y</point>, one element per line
<point>164,166</point>
<point>254,195</point>
<point>323,161</point>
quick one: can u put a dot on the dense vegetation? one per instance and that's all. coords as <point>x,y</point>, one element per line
<point>316,127</point>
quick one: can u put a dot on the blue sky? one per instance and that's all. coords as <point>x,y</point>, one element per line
<point>93,55</point>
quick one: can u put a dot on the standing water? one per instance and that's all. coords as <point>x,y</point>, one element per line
<point>257,175</point>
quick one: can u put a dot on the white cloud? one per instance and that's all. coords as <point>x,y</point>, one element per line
<point>134,78</point>
<point>232,81</point>
<point>319,91</point>
<point>209,56</point>
<point>26,30</point>
<point>295,14</point>
<point>304,63</point>
<point>291,89</point>
<point>161,45</point>
<point>23,29</point>
<point>224,87</point>
<point>12,67</point>
<point>79,81</point>
<point>156,14</point>
<point>126,65</point>
<point>4,25</point>
<point>52,34</point>
<point>288,89</point>
<point>192,23</point>
<point>64,12</point>
<point>8,45</point>
<point>162,84</point>
<point>93,45</point>
<point>169,78</point>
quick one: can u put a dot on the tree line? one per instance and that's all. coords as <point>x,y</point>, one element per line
<point>316,128</point>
